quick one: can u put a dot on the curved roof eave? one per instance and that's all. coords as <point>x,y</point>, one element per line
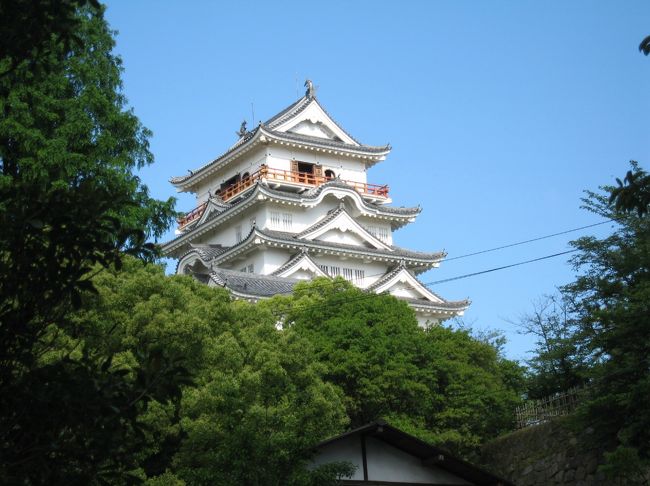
<point>405,215</point>
<point>419,261</point>
<point>372,153</point>
<point>243,145</point>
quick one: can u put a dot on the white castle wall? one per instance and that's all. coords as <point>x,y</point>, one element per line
<point>280,157</point>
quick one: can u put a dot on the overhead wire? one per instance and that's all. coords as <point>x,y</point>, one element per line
<point>489,250</point>
<point>529,241</point>
<point>428,284</point>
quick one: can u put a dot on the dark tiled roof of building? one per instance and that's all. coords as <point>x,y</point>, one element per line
<point>451,305</point>
<point>396,252</point>
<point>288,113</point>
<point>314,192</point>
<point>208,252</point>
<point>253,285</point>
<point>386,277</point>
<point>306,196</point>
<point>297,137</point>
<point>277,120</point>
<point>333,213</point>
<point>239,143</point>
<point>383,431</point>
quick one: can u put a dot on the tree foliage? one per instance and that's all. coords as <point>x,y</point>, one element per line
<point>605,337</point>
<point>256,402</point>
<point>633,192</point>
<point>612,306</point>
<point>440,384</point>
<point>559,362</point>
<point>68,200</point>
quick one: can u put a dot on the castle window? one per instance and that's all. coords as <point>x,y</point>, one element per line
<point>238,233</point>
<point>350,274</point>
<point>230,182</point>
<point>281,221</point>
<point>305,167</point>
<point>379,232</point>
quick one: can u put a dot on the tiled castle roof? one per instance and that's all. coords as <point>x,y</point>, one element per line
<point>268,128</point>
<point>222,208</point>
<point>249,285</point>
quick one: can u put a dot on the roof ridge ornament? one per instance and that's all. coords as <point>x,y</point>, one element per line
<point>242,129</point>
<point>311,89</point>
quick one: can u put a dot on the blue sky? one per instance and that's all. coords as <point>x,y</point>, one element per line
<point>500,113</point>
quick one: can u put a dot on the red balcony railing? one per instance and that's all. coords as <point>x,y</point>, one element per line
<point>300,178</point>
<point>193,215</point>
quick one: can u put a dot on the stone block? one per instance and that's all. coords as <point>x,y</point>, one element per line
<point>569,476</point>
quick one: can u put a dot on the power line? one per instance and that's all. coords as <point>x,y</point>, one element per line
<point>499,268</point>
<point>428,284</point>
<point>528,241</point>
<point>480,252</point>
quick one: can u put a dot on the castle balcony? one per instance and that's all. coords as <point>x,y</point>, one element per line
<point>298,181</point>
<point>193,215</point>
<point>294,181</point>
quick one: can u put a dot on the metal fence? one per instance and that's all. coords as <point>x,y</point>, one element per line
<point>535,412</point>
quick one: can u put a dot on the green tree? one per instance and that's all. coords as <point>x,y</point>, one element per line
<point>28,27</point>
<point>440,384</point>
<point>68,200</point>
<point>257,402</point>
<point>559,361</point>
<point>633,192</point>
<point>612,305</point>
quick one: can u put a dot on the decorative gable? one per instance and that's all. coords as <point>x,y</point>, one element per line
<point>311,129</point>
<point>402,283</point>
<point>300,267</point>
<point>339,227</point>
<point>315,121</point>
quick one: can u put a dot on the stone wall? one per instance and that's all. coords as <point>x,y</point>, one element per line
<point>546,454</point>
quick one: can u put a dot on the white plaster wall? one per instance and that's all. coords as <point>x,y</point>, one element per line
<point>302,218</point>
<point>305,217</point>
<point>302,275</point>
<point>426,320</point>
<point>387,463</point>
<point>273,258</point>
<point>403,289</point>
<point>280,157</point>
<point>348,450</point>
<point>254,258</point>
<point>343,237</point>
<point>250,163</point>
<point>226,233</point>
<point>374,222</point>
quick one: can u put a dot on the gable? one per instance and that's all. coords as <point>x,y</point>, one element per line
<point>404,284</point>
<point>301,267</point>
<point>340,227</point>
<point>384,463</point>
<point>335,235</point>
<point>315,120</point>
<point>311,129</point>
